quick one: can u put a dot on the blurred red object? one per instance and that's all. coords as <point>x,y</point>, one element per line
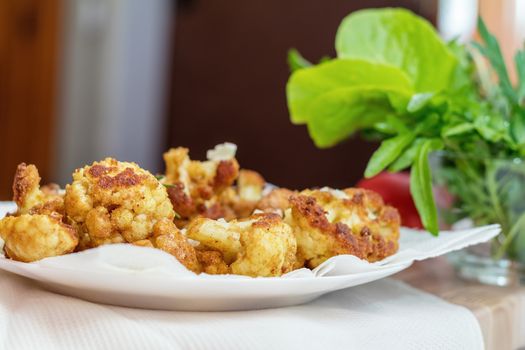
<point>395,190</point>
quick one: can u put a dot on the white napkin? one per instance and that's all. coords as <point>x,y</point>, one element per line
<point>385,314</point>
<point>130,259</point>
<point>413,245</point>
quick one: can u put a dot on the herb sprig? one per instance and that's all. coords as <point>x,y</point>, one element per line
<point>396,79</point>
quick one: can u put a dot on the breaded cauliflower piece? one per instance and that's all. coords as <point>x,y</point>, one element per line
<point>268,247</point>
<point>194,186</point>
<point>30,238</point>
<point>168,238</point>
<point>355,221</point>
<point>217,235</point>
<point>261,245</point>
<point>174,243</point>
<point>277,200</point>
<point>383,222</point>
<point>240,201</point>
<point>30,197</point>
<point>212,262</point>
<point>113,202</point>
<point>250,185</point>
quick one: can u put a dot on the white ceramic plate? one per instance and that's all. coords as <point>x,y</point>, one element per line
<point>127,275</point>
<point>189,293</point>
<point>105,276</point>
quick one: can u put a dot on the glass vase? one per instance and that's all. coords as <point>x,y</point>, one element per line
<point>474,191</point>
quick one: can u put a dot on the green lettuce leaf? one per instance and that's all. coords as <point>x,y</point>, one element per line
<point>296,60</point>
<point>307,85</point>
<point>388,152</point>
<point>399,38</point>
<point>335,115</point>
<point>421,185</point>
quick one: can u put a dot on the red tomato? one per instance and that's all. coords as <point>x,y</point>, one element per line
<point>395,190</point>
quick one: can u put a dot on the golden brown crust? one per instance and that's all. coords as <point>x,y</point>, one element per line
<point>208,188</point>
<point>277,199</point>
<point>195,187</point>
<point>182,203</point>
<point>311,223</point>
<point>33,237</point>
<point>383,222</point>
<point>226,174</point>
<point>125,178</point>
<point>212,211</point>
<point>307,207</point>
<point>177,161</point>
<point>113,202</point>
<point>250,178</point>
<point>268,247</point>
<point>265,220</point>
<point>30,197</point>
<point>261,245</point>
<point>98,223</point>
<point>118,202</point>
<point>52,204</point>
<point>168,238</point>
<point>26,180</point>
<point>144,243</point>
<point>212,262</point>
<point>240,201</point>
<point>354,222</point>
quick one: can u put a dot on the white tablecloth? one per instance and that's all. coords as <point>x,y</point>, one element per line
<point>386,314</point>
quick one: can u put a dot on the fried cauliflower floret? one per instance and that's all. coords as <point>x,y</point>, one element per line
<point>30,238</point>
<point>261,245</point>
<point>354,221</point>
<point>194,186</point>
<point>30,197</point>
<point>168,238</point>
<point>212,262</point>
<point>250,186</point>
<point>317,238</point>
<point>383,222</point>
<point>240,201</point>
<point>113,202</point>
<point>217,235</point>
<point>277,200</point>
<point>268,248</point>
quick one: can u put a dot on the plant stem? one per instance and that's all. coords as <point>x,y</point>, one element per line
<point>492,188</point>
<point>510,237</point>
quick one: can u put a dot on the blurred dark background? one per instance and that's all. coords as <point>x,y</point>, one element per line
<point>85,79</point>
<point>229,77</point>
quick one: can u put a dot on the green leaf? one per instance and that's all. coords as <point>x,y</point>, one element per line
<point>490,127</point>
<point>336,115</point>
<point>519,60</point>
<point>388,152</point>
<point>308,84</point>
<point>517,127</point>
<point>421,185</point>
<point>457,129</point>
<point>399,38</point>
<point>325,59</point>
<point>406,158</point>
<point>430,124</point>
<point>296,60</point>
<point>492,51</point>
<point>418,101</point>
<point>463,86</point>
<point>391,125</point>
